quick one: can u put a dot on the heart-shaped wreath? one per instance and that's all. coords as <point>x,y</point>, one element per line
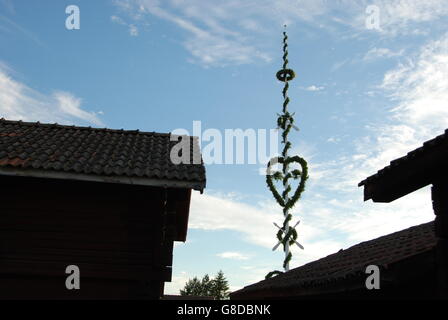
<point>279,176</point>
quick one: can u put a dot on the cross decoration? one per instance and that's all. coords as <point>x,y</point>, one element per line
<point>288,122</point>
<point>285,232</point>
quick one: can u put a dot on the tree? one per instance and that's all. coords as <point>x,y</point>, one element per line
<point>218,288</point>
<point>192,288</point>
<point>206,285</point>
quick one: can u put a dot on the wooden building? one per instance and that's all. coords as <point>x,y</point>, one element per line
<point>110,202</point>
<point>421,167</point>
<point>413,262</point>
<point>405,259</point>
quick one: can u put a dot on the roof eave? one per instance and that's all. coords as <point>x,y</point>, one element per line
<point>51,174</point>
<point>409,175</point>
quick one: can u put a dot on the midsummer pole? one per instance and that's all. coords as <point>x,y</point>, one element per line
<point>286,235</point>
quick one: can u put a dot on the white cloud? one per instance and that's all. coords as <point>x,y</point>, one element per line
<point>377,53</point>
<point>218,212</point>
<point>421,88</point>
<point>19,102</point>
<point>314,88</point>
<point>377,219</point>
<point>333,140</point>
<point>399,17</point>
<point>233,255</point>
<point>177,283</point>
<point>133,30</point>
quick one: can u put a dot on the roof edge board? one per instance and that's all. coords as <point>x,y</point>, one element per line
<point>105,179</point>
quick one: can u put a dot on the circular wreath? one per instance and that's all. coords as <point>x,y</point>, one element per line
<point>286,75</point>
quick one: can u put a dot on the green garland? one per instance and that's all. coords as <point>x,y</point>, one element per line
<point>285,122</point>
<point>285,75</point>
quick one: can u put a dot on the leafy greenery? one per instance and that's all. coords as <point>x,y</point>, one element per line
<point>218,288</point>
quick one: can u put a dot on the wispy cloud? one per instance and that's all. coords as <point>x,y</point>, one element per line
<point>233,255</point>
<point>236,32</point>
<point>20,102</point>
<point>222,33</point>
<point>379,53</point>
<point>209,41</point>
<point>418,91</point>
<point>339,64</point>
<point>11,26</point>
<point>133,30</point>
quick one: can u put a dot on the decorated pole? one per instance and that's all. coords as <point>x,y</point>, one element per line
<point>287,234</point>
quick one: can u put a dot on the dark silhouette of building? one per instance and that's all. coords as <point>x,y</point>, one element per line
<point>107,201</point>
<point>424,166</point>
<point>413,262</point>
<point>405,260</point>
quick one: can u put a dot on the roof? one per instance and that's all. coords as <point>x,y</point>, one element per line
<point>179,297</point>
<point>404,175</point>
<point>94,154</point>
<point>346,264</point>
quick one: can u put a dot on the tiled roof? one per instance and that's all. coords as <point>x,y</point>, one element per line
<point>352,262</point>
<point>427,147</point>
<point>86,151</point>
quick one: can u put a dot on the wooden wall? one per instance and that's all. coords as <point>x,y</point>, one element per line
<point>115,234</point>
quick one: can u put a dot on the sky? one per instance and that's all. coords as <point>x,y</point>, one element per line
<point>371,85</point>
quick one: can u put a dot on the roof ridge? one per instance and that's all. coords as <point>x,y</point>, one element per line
<point>90,128</point>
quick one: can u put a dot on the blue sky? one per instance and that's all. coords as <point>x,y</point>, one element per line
<point>362,98</point>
